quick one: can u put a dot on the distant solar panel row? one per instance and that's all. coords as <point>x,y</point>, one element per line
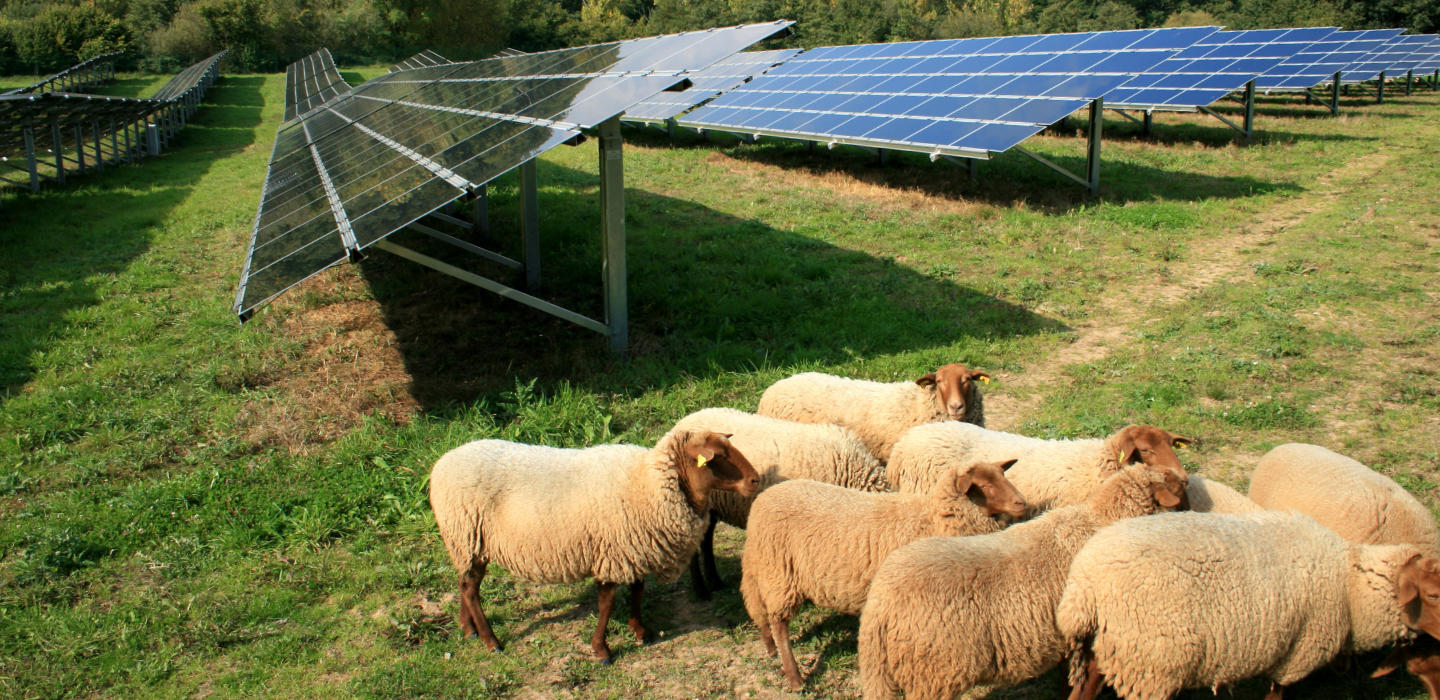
<point>1383,58</point>
<point>311,82</point>
<point>390,151</point>
<point>420,60</point>
<point>1322,60</point>
<point>967,97</point>
<point>1214,67</point>
<point>724,75</point>
<point>1410,51</point>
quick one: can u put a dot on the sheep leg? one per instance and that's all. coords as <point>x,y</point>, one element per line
<point>607,605</point>
<point>780,630</point>
<point>697,579</point>
<point>1090,685</point>
<point>707,547</point>
<point>637,592</point>
<point>1431,679</point>
<point>1277,692</point>
<point>472,615</point>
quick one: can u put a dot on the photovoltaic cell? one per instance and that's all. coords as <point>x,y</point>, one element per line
<point>712,81</point>
<point>310,82</point>
<point>1412,51</point>
<point>421,60</point>
<point>966,97</point>
<point>1369,67</point>
<point>355,168</point>
<point>1429,58</point>
<point>1322,60</point>
<point>1213,67</point>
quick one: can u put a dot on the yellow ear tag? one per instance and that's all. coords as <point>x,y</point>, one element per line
<point>700,461</point>
<point>984,380</point>
<point>1179,445</point>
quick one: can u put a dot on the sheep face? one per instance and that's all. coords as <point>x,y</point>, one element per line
<point>983,484</point>
<point>1148,444</point>
<point>1418,592</point>
<point>954,384</point>
<point>710,462</point>
<point>1421,657</point>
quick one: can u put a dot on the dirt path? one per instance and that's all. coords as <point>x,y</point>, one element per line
<point>1114,319</point>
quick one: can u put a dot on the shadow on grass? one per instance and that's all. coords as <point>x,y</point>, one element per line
<point>1215,135</point>
<point>1002,181</point>
<point>61,243</point>
<point>708,293</point>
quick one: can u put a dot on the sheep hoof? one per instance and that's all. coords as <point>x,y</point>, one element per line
<point>607,661</point>
<point>472,635</point>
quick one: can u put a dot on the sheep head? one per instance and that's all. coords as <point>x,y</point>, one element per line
<point>708,461</point>
<point>1418,593</point>
<point>1421,657</point>
<point>1155,447</point>
<point>954,384</point>
<point>985,485</point>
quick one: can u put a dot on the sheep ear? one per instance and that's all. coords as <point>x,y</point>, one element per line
<point>982,376</point>
<point>927,380</point>
<point>1005,466</point>
<point>1164,497</point>
<point>963,482</point>
<point>1180,442</point>
<point>1391,662</point>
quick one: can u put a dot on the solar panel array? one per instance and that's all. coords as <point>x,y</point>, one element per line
<point>384,154</point>
<point>83,75</point>
<point>1411,51</point>
<point>966,97</point>
<point>1213,67</point>
<point>310,82</point>
<point>420,60</point>
<point>724,75</point>
<point>1324,59</point>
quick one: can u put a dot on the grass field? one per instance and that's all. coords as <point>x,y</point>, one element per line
<point>191,507</point>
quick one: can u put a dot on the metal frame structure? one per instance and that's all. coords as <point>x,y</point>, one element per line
<point>91,72</point>
<point>1246,128</point>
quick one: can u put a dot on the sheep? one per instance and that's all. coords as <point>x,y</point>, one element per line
<point>1051,473</point>
<point>815,541</point>
<point>779,450</point>
<point>1200,600</point>
<point>878,411</point>
<point>1210,496</point>
<point>613,513</point>
<point>948,613</point>
<point>1354,501</point>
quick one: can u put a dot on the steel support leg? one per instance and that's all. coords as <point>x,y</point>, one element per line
<point>30,163</point>
<point>1249,111</point>
<point>1409,78</point>
<point>152,138</point>
<point>99,146</point>
<point>80,149</point>
<point>1380,89</point>
<point>482,209</point>
<point>972,167</point>
<point>59,152</point>
<point>530,221</point>
<point>1092,159</point>
<point>1335,95</point>
<point>612,214</point>
<point>1147,122</point>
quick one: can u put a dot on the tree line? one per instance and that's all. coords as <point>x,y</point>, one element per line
<point>42,36</point>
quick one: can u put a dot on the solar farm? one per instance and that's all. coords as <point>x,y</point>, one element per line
<point>246,313</point>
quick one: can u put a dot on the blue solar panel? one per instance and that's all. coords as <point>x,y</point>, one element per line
<point>1431,58</point>
<point>1212,68</point>
<point>1410,52</point>
<point>1324,59</point>
<point>1369,66</point>
<point>708,83</point>
<point>965,97</point>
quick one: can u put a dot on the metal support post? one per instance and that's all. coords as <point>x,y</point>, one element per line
<point>129,149</point>
<point>612,216</point>
<point>152,139</point>
<point>482,209</point>
<point>30,157</point>
<point>59,152</point>
<point>882,156</point>
<point>530,221</point>
<point>1335,95</point>
<point>1409,78</point>
<point>1092,159</point>
<point>1147,123</point>
<point>1380,89</point>
<point>80,149</point>
<point>99,146</point>
<point>972,168</point>
<point>1249,111</point>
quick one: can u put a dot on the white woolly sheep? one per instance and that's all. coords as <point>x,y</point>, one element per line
<point>779,450</point>
<point>1051,473</point>
<point>809,540</point>
<point>613,513</point>
<point>947,613</point>
<point>1210,496</point>
<point>1355,501</point>
<point>1201,600</point>
<point>879,412</point>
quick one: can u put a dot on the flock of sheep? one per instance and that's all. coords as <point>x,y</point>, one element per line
<point>892,502</point>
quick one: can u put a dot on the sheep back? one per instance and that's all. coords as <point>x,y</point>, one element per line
<point>550,515</point>
<point>1353,500</point>
<point>878,412</point>
<point>782,449</point>
<point>1210,496</point>
<point>1184,600</point>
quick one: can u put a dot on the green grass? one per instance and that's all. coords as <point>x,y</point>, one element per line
<point>190,506</point>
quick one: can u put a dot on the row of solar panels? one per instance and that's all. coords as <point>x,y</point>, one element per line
<point>83,74</point>
<point>973,97</point>
<point>353,165</point>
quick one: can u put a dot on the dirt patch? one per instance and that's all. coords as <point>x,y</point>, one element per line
<point>1219,260</point>
<point>350,367</point>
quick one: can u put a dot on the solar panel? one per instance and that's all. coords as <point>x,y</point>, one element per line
<point>310,82</point>
<point>1324,59</point>
<point>965,97</point>
<point>1213,68</point>
<point>420,60</point>
<point>1369,67</point>
<point>1412,51</point>
<point>394,149</point>
<point>712,81</point>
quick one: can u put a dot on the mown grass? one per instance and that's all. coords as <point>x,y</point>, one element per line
<point>191,507</point>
